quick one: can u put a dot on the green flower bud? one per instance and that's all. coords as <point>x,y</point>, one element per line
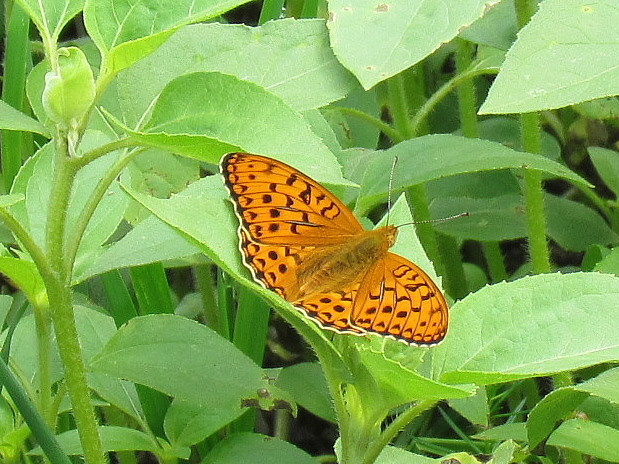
<point>69,93</point>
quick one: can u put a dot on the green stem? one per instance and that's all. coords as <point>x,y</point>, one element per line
<point>394,428</point>
<point>533,190</point>
<point>45,437</point>
<point>77,231</point>
<point>467,101</point>
<point>431,103</point>
<point>454,278</point>
<point>534,198</point>
<point>98,152</point>
<point>44,345</point>
<point>400,111</point>
<point>380,125</point>
<point>416,195</point>
<point>61,305</point>
<point>494,259</point>
<point>31,247</point>
<point>418,199</point>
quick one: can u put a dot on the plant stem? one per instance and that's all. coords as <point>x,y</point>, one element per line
<point>77,231</point>
<point>494,258</point>
<point>401,421</point>
<point>40,429</point>
<point>533,191</point>
<point>398,104</point>
<point>44,345</point>
<point>534,197</point>
<point>380,125</point>
<point>423,112</point>
<point>61,305</point>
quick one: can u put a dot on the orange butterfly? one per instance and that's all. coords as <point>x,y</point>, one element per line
<point>302,242</point>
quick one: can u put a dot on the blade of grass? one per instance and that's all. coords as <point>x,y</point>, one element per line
<point>120,302</point>
<point>154,297</point>
<point>16,63</point>
<point>271,9</point>
<point>45,437</point>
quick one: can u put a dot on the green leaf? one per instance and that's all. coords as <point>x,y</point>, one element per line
<point>400,386</point>
<point>513,431</point>
<point>290,58</point>
<point>547,414</point>
<point>378,40</point>
<point>182,358</point>
<point>118,393</point>
<point>394,455</point>
<point>575,226</point>
<point>127,31</point>
<point>113,439</point>
<point>496,28</point>
<point>12,119</point>
<point>35,183</point>
<point>587,437</point>
<point>610,263</point>
<point>572,225</point>
<point>94,329</point>
<point>51,16</point>
<point>205,115</point>
<point>604,385</point>
<point>566,54</point>
<point>600,108</point>
<point>25,276</point>
<point>474,408</point>
<point>189,423</point>
<point>561,403</point>
<point>606,164</point>
<point>431,157</point>
<point>530,327</point>
<point>254,448</point>
<point>306,382</point>
<point>150,241</point>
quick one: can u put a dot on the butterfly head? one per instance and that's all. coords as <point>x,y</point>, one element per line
<point>391,232</point>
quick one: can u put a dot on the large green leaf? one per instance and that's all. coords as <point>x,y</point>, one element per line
<point>431,157</point>
<point>181,358</point>
<point>126,31</point>
<point>534,326</point>
<point>205,115</point>
<point>377,40</point>
<point>290,58</point>
<point>568,53</point>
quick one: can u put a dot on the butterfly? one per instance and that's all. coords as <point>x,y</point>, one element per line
<point>300,241</point>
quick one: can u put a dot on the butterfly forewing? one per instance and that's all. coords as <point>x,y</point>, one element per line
<point>289,223</point>
<point>278,204</point>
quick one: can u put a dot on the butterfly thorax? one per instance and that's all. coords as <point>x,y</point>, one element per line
<point>334,267</point>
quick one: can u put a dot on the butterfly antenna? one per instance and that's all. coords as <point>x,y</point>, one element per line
<point>434,221</point>
<point>395,161</point>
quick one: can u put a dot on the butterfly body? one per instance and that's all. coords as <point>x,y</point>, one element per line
<point>300,241</point>
<point>334,267</point>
